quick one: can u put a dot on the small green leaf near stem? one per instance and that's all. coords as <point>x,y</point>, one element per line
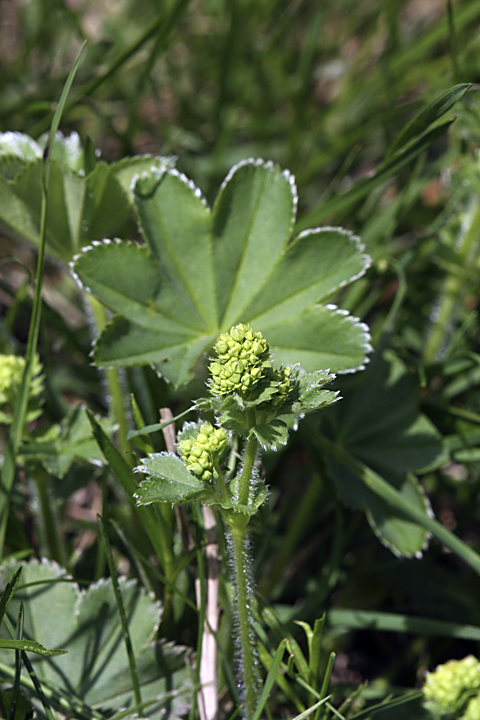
<point>220,482</point>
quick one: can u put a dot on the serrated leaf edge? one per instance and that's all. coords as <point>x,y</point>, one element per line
<point>14,134</point>
<point>367,346</point>
<point>160,172</point>
<point>63,575</point>
<point>355,239</point>
<point>268,165</point>
<point>428,535</point>
<point>87,248</point>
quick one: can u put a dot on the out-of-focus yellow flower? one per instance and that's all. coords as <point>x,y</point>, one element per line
<point>449,689</point>
<point>11,371</point>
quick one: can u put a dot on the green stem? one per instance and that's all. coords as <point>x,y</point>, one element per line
<point>453,287</point>
<point>117,395</point>
<point>50,524</point>
<point>246,476</point>
<point>243,600</point>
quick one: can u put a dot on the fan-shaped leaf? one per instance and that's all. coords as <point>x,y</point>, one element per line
<point>206,271</point>
<point>95,669</point>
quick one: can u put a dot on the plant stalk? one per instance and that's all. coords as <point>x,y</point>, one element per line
<point>117,395</point>
<point>243,599</point>
<point>246,476</point>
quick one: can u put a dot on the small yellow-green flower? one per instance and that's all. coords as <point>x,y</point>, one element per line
<point>242,358</point>
<point>473,709</point>
<point>448,689</point>
<point>200,451</point>
<point>11,371</point>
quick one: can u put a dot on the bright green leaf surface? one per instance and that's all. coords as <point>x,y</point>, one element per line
<point>271,435</point>
<point>312,395</point>
<point>206,271</point>
<point>176,223</point>
<point>95,669</point>
<point>320,338</point>
<point>168,481</point>
<point>298,279</point>
<point>252,221</point>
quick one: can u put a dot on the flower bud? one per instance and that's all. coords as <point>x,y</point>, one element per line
<point>242,357</point>
<point>200,451</point>
<point>448,689</point>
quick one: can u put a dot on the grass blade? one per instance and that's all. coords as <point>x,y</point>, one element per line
<point>270,679</point>
<point>121,611</point>
<point>20,413</point>
<point>426,117</point>
<point>9,592</point>
<point>393,622</point>
<point>341,203</point>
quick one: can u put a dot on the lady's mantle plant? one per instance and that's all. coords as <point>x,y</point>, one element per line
<point>203,270</point>
<point>255,402</point>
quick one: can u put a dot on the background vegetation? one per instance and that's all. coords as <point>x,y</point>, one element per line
<point>323,89</point>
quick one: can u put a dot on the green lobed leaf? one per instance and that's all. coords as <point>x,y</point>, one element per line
<point>401,535</point>
<point>379,423</point>
<point>94,672</point>
<point>168,481</point>
<point>252,221</point>
<point>123,343</point>
<point>322,337</point>
<point>300,278</point>
<point>109,197</point>
<point>272,435</point>
<point>73,443</point>
<point>311,393</point>
<point>203,271</point>
<point>85,204</point>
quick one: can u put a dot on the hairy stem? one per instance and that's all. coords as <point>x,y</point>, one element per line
<point>248,662</point>
<point>246,476</point>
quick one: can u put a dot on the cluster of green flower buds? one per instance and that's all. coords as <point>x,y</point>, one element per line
<point>449,689</point>
<point>201,450</point>
<point>11,372</point>
<point>242,358</point>
<point>282,378</point>
<point>473,709</point>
